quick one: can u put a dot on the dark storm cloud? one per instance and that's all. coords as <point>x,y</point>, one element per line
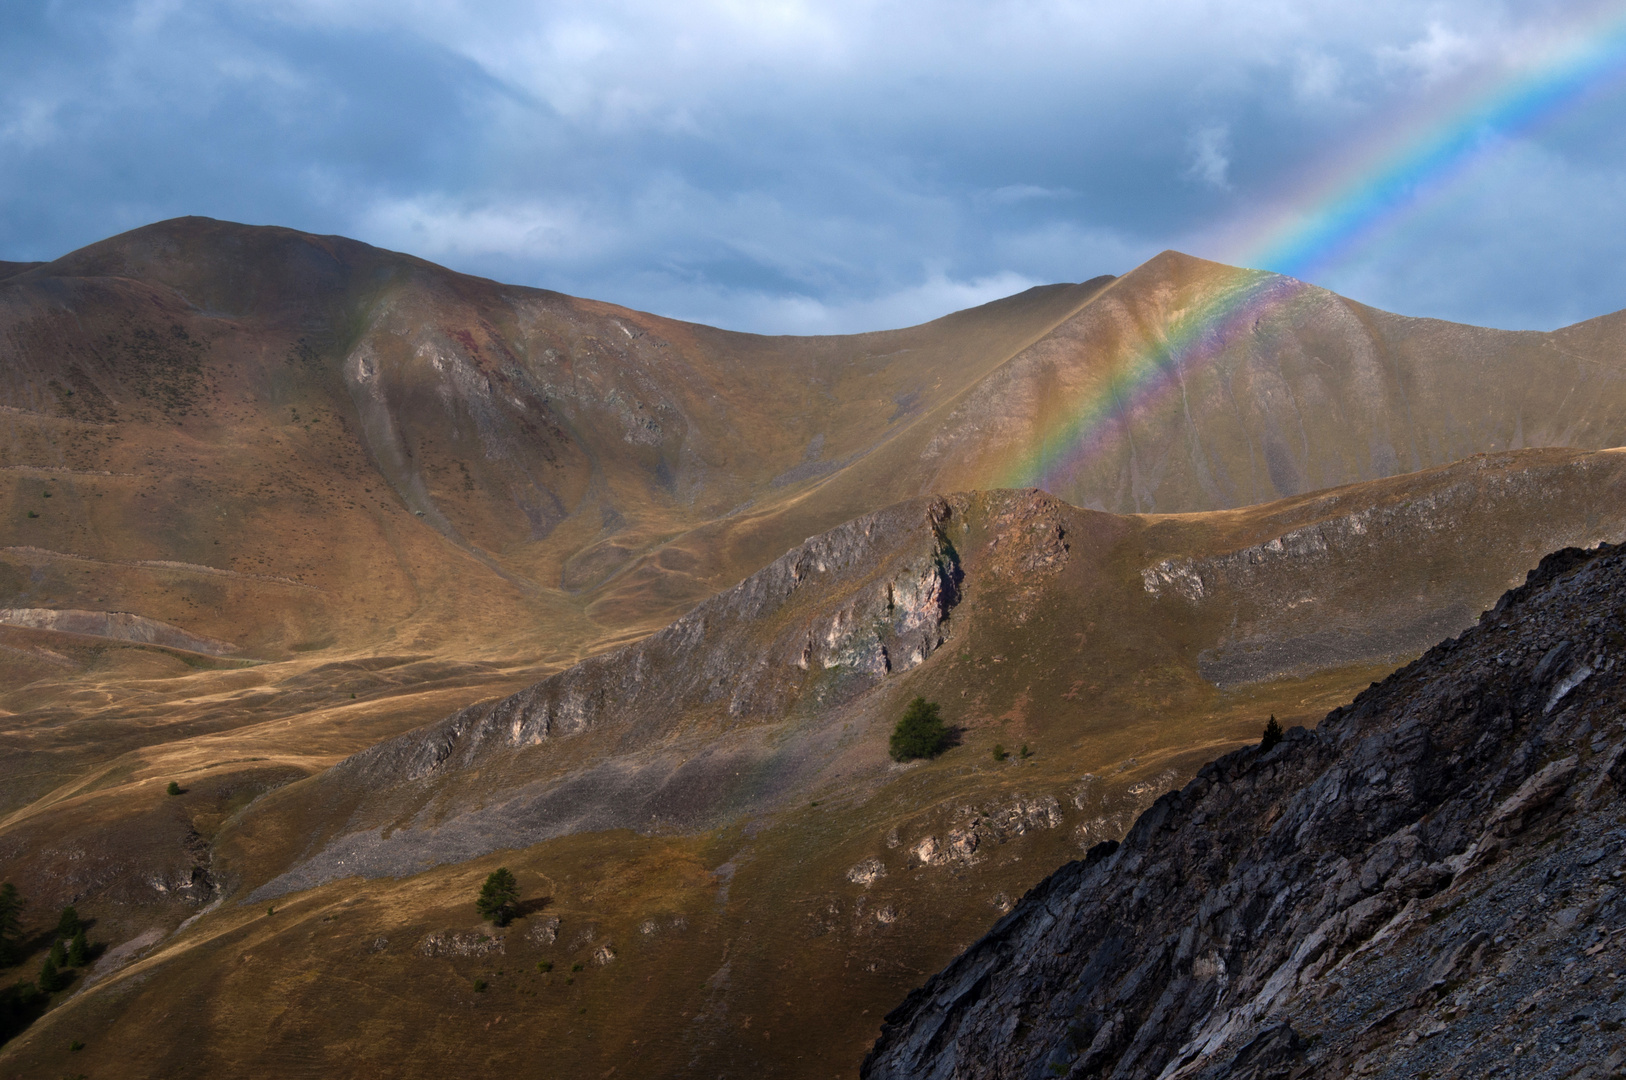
<point>785,166</point>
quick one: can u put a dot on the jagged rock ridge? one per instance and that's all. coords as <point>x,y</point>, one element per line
<point>1426,884</point>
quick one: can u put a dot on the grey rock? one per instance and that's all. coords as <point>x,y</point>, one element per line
<point>1419,885</point>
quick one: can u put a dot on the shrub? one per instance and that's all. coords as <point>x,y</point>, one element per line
<point>920,733</point>
<point>499,897</point>
<point>1000,753</point>
<point>1026,753</point>
<point>544,966</point>
<point>577,967</point>
<point>174,788</point>
<point>1273,734</point>
<point>479,986</point>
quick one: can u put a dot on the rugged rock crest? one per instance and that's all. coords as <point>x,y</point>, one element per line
<point>1427,884</point>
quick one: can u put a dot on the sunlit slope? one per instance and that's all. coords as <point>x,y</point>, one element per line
<point>1188,385</point>
<point>286,442</point>
<point>742,844</point>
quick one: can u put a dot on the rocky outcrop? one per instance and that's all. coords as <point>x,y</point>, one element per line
<point>1426,884</point>
<point>846,609</point>
<point>114,626</point>
<point>816,630</point>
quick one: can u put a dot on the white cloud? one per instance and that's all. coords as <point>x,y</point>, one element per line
<point>29,122</point>
<point>1210,155</point>
<point>438,228</point>
<point>789,313</point>
<point>1441,53</point>
<point>1018,193</point>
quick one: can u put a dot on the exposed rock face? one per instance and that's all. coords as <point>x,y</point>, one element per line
<point>451,943</point>
<point>818,628</point>
<point>756,694</point>
<point>114,625</point>
<point>1425,884</point>
<point>897,575</point>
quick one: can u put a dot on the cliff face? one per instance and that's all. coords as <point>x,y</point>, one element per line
<point>1426,884</point>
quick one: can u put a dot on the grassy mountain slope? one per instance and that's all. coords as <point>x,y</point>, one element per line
<point>792,878</point>
<point>270,499</point>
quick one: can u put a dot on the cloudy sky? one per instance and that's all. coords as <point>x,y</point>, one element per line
<point>814,167</point>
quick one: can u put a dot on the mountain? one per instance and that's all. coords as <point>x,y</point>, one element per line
<point>1422,885</point>
<point>404,575</point>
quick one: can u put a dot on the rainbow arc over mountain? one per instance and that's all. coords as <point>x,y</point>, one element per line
<point>1353,201</point>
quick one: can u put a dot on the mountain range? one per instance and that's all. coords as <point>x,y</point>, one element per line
<point>404,575</point>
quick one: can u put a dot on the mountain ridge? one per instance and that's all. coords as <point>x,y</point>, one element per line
<point>431,526</point>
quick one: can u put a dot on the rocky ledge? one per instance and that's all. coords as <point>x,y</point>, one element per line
<point>1428,884</point>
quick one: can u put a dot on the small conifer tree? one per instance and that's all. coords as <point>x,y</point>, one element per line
<point>920,733</point>
<point>499,897</point>
<point>174,788</point>
<point>59,953</point>
<point>69,924</point>
<point>49,981</point>
<point>78,949</point>
<point>11,928</point>
<point>1273,734</point>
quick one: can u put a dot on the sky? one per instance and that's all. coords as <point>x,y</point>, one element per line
<point>787,167</point>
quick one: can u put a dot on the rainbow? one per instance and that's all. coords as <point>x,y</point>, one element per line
<point>1350,202</point>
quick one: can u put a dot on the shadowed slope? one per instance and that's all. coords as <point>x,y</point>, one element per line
<point>1422,886</point>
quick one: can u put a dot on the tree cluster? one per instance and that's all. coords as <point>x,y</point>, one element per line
<point>21,1003</point>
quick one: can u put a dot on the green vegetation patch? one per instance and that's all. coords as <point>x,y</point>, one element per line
<point>921,732</point>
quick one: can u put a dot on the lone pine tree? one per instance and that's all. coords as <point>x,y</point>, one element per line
<point>920,734</point>
<point>1273,734</point>
<point>499,897</point>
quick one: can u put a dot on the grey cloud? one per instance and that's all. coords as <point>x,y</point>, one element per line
<point>786,167</point>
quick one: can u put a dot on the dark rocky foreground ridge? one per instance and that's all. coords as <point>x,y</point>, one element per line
<point>1428,884</point>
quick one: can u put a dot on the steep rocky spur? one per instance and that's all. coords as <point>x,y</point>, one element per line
<point>1427,884</point>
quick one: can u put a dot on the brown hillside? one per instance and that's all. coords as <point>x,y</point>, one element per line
<point>714,806</point>
<point>272,501</point>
